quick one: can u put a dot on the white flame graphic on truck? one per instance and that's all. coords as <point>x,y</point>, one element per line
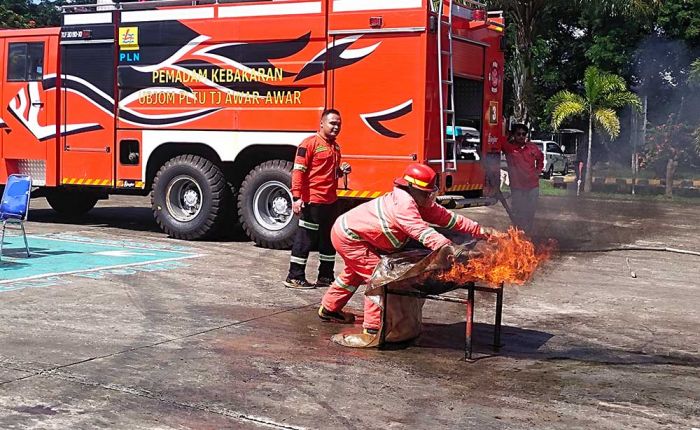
<point>26,110</point>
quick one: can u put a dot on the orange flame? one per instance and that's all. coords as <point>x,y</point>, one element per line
<point>505,257</point>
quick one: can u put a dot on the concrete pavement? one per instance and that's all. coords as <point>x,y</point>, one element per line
<point>214,340</point>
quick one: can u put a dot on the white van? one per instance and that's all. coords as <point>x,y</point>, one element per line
<point>554,158</point>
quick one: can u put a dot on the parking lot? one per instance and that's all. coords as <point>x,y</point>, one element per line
<point>110,324</point>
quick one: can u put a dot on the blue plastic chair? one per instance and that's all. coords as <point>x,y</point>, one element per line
<point>14,206</point>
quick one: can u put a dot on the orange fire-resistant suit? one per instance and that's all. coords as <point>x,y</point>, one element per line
<point>383,226</point>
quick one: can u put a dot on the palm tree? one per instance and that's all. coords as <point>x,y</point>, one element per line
<point>603,94</point>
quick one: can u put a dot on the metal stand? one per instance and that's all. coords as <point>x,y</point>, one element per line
<point>469,302</point>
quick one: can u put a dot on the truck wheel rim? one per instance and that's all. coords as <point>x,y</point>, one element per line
<point>272,205</point>
<point>184,198</point>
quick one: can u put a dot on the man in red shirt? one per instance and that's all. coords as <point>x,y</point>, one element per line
<point>314,190</point>
<point>525,162</point>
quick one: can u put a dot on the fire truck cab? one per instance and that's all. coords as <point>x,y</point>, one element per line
<point>201,103</point>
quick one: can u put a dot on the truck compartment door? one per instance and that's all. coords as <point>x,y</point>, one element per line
<point>88,89</point>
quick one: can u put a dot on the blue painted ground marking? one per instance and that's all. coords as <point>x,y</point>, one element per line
<point>65,254</point>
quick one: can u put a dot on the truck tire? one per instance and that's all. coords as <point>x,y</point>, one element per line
<point>189,197</point>
<point>71,202</point>
<point>265,205</point>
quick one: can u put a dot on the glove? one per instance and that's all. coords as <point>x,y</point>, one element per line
<point>345,168</point>
<point>488,231</point>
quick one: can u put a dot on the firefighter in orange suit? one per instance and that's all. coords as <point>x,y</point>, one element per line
<point>383,226</point>
<point>314,191</point>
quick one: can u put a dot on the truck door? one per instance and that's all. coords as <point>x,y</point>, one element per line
<point>28,115</point>
<point>88,88</point>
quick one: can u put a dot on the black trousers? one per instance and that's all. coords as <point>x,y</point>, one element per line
<point>314,231</point>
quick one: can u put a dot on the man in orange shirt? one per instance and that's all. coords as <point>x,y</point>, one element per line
<point>525,162</point>
<point>314,191</point>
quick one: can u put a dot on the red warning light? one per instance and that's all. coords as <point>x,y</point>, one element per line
<point>479,15</point>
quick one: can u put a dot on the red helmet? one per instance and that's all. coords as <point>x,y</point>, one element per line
<point>418,176</point>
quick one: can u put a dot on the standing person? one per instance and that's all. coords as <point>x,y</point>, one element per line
<point>383,226</point>
<point>314,191</point>
<point>525,162</point>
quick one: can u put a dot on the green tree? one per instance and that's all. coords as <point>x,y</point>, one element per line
<point>695,72</point>
<point>32,13</point>
<point>680,19</point>
<point>629,8</point>
<point>612,31</point>
<point>601,32</point>
<point>668,145</point>
<point>550,42</point>
<point>9,18</point>
<point>603,94</point>
<point>523,18</point>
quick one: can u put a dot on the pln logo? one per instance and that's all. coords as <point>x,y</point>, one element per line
<point>128,43</point>
<point>129,57</point>
<point>129,38</point>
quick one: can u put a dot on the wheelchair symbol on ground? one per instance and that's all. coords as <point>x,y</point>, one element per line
<point>58,255</point>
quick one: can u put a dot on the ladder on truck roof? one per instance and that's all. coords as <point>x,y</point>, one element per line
<point>448,116</point>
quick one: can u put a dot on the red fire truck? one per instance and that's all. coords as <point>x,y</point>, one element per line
<point>201,103</point>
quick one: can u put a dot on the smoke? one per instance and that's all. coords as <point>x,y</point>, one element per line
<point>661,72</point>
